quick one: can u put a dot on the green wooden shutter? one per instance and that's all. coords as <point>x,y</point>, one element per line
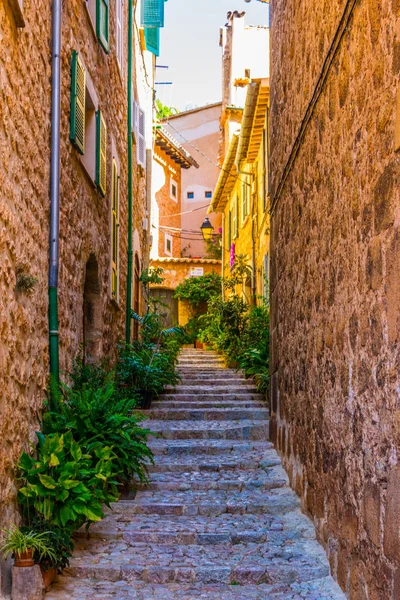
<point>78,95</point>
<point>103,23</point>
<point>152,13</point>
<point>236,218</point>
<point>115,230</point>
<point>101,153</point>
<point>152,37</point>
<point>141,137</point>
<point>229,229</point>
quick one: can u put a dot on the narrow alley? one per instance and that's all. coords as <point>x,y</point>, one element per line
<point>218,520</point>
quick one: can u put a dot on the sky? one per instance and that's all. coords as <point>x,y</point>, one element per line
<point>190,48</point>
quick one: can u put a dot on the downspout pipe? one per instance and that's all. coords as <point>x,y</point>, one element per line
<point>55,191</point>
<point>128,316</point>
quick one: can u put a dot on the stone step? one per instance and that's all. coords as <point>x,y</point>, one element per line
<point>83,589</point>
<point>184,388</point>
<point>201,530</point>
<point>236,461</point>
<point>163,404</point>
<point>202,449</point>
<point>201,397</point>
<point>199,360</point>
<point>210,430</point>
<point>211,414</point>
<point>217,382</point>
<point>226,563</point>
<point>209,502</point>
<point>208,373</point>
<point>255,479</point>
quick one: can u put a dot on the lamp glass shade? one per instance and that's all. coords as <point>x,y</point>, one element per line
<point>207,229</point>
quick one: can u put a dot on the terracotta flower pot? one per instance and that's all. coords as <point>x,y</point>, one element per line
<point>199,345</point>
<point>48,576</point>
<point>25,559</point>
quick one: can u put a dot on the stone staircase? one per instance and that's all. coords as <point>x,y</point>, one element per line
<point>217,521</point>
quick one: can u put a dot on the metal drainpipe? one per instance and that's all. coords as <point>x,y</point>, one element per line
<point>55,191</point>
<point>130,179</point>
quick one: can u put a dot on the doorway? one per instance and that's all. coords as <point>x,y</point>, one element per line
<point>92,313</point>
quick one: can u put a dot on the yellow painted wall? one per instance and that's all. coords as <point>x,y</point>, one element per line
<point>258,205</point>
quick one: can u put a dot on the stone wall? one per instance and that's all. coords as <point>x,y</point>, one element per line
<point>24,184</point>
<point>85,219</point>
<point>335,288</point>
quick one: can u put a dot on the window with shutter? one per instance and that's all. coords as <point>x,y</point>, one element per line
<point>229,228</point>
<point>141,137</point>
<point>235,218</point>
<point>78,95</point>
<point>152,13</point>
<point>101,153</point>
<point>245,200</point>
<point>115,232</point>
<point>120,32</point>
<point>152,37</point>
<point>102,22</point>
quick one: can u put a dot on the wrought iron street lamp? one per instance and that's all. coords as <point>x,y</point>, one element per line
<point>207,229</point>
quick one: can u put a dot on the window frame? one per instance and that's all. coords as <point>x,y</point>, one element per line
<point>104,40</point>
<point>119,34</point>
<point>115,206</point>
<point>168,238</point>
<point>171,184</point>
<point>208,194</point>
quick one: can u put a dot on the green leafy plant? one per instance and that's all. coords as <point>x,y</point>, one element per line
<point>18,542</point>
<point>25,283</point>
<point>223,325</point>
<point>199,290</point>
<point>163,111</point>
<point>103,417</point>
<point>214,246</point>
<point>67,483</point>
<point>146,369</point>
<point>59,540</point>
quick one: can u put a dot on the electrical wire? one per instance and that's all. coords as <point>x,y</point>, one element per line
<point>202,153</point>
<point>185,213</point>
<point>318,89</point>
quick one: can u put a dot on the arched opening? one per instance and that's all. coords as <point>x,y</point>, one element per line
<point>136,296</point>
<point>92,313</point>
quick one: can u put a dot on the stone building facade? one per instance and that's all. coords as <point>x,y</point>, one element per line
<point>91,301</point>
<point>198,131</point>
<point>335,285</point>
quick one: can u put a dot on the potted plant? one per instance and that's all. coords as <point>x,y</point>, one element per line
<point>27,546</point>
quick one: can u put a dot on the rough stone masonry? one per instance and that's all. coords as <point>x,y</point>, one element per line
<point>335,280</point>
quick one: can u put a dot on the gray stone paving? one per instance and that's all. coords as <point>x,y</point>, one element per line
<point>218,519</point>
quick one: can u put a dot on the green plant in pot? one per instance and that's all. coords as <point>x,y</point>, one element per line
<point>27,546</point>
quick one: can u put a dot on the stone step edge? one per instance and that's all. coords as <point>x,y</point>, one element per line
<point>182,538</point>
<point>228,575</point>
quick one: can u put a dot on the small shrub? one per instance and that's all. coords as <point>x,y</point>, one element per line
<point>67,484</point>
<point>199,290</point>
<point>99,415</point>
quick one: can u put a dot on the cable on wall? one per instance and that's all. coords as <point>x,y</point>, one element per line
<point>319,87</point>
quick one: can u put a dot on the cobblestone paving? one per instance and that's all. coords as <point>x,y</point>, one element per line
<point>218,519</point>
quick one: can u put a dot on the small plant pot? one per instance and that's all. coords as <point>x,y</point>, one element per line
<point>199,345</point>
<point>49,576</point>
<point>25,559</point>
<point>146,399</point>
